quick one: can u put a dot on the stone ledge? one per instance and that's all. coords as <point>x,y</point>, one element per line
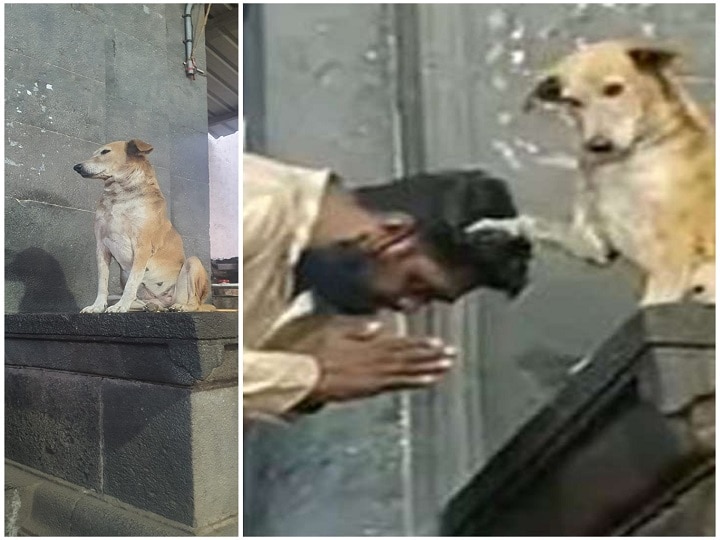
<point>142,409</point>
<point>632,420</point>
<point>171,348</point>
<point>45,506</point>
<point>214,325</point>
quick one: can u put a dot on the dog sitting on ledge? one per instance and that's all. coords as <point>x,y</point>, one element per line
<point>131,226</point>
<point>647,159</point>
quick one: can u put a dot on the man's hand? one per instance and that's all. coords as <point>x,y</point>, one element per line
<point>357,360</point>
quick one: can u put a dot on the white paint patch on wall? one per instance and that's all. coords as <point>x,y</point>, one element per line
<point>507,152</point>
<point>223,167</point>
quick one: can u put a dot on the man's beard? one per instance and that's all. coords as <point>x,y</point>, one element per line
<point>339,275</point>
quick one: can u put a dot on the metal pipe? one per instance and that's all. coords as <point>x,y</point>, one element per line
<point>189,63</point>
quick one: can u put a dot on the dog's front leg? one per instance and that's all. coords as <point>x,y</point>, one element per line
<point>103,256</point>
<point>141,255</point>
<point>579,239</point>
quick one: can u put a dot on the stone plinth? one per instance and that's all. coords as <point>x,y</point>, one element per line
<point>627,448</point>
<point>122,424</point>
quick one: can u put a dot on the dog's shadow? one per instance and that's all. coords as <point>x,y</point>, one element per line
<point>46,289</point>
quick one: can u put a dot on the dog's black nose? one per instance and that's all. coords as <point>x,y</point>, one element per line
<point>78,167</point>
<point>599,144</point>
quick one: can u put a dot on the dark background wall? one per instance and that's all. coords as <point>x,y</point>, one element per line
<point>78,76</point>
<point>376,90</point>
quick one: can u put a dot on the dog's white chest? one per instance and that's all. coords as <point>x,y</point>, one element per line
<point>121,249</point>
<point>116,228</point>
<point>627,199</point>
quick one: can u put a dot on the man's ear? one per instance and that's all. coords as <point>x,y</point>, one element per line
<point>652,57</point>
<point>136,147</point>
<point>548,90</point>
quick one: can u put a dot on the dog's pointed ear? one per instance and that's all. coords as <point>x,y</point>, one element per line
<point>137,147</point>
<point>548,90</point>
<point>652,57</point>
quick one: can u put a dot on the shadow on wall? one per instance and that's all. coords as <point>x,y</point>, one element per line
<point>46,289</point>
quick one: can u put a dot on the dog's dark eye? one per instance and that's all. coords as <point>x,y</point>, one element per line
<point>613,89</point>
<point>105,151</point>
<point>550,89</point>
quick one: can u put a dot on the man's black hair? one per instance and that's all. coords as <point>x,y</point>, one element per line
<point>444,204</point>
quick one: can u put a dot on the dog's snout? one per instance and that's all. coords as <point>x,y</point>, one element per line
<point>78,167</point>
<point>599,144</point>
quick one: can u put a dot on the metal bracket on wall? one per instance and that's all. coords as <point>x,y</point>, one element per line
<point>190,65</point>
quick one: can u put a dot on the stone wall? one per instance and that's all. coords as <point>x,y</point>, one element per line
<point>122,423</point>
<point>78,76</point>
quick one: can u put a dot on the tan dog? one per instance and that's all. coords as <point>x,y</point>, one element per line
<point>131,225</point>
<point>648,164</point>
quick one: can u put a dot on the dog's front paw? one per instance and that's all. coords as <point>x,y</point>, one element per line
<point>517,226</point>
<point>95,308</point>
<point>117,308</point>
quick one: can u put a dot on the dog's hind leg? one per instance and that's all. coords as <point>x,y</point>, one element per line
<point>702,284</point>
<point>665,286</point>
<point>192,287</point>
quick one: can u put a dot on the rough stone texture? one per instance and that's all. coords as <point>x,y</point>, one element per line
<point>691,514</point>
<point>66,93</point>
<point>44,506</point>
<point>140,408</point>
<point>376,91</point>
<point>215,454</point>
<point>605,449</point>
<point>51,424</point>
<point>147,436</point>
<point>185,348</point>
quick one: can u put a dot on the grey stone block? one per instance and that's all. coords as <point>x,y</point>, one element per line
<point>49,507</point>
<point>48,271</point>
<point>215,454</point>
<point>139,72</point>
<point>163,412</point>
<point>72,29</point>
<point>188,154</point>
<point>190,202</point>
<point>183,95</point>
<point>146,436</point>
<point>39,166</point>
<point>143,22</point>
<point>172,348</point>
<point>674,378</point>
<point>692,514</point>
<point>46,96</point>
<point>52,424</point>
<point>148,327</point>
<point>611,446</point>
